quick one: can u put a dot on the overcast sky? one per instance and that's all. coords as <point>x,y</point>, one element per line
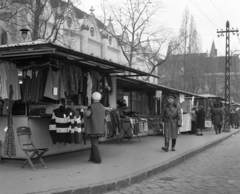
<point>209,15</point>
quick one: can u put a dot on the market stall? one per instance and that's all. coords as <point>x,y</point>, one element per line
<point>44,74</point>
<point>148,100</point>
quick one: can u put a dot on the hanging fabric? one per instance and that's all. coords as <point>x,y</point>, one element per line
<point>96,81</point>
<point>72,79</point>
<point>89,89</point>
<point>3,83</point>
<point>54,87</point>
<point>9,142</point>
<point>9,76</point>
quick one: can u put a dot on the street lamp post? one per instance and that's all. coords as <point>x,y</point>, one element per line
<point>24,32</point>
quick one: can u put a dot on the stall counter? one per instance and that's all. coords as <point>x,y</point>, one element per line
<point>40,135</point>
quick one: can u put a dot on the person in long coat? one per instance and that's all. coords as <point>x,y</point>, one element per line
<point>94,126</point>
<point>217,118</point>
<point>200,120</point>
<point>172,119</point>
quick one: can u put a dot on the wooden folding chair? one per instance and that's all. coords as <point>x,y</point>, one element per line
<point>33,154</point>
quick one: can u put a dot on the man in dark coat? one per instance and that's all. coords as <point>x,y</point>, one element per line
<point>217,118</point>
<point>94,126</point>
<point>172,119</point>
<point>200,120</point>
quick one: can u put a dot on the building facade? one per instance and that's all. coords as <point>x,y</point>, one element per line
<point>67,26</point>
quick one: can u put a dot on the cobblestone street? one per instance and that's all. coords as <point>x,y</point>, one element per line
<point>216,170</point>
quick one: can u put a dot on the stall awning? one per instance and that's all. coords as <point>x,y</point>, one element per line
<point>136,84</point>
<point>41,50</point>
<point>212,96</point>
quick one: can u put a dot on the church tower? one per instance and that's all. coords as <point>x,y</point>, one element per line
<point>213,52</point>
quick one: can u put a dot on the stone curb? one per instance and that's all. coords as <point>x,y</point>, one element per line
<point>139,176</point>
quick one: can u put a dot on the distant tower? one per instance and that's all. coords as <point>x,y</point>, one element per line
<point>169,50</point>
<point>213,52</point>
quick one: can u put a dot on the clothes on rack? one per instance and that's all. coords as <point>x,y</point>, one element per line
<point>72,79</point>
<point>9,76</point>
<point>54,87</point>
<point>64,126</point>
<point>33,84</point>
<point>89,89</point>
<point>94,81</point>
<point>75,135</point>
<point>112,127</point>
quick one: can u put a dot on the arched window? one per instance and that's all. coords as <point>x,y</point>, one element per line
<point>92,31</point>
<point>3,37</point>
<point>110,40</point>
<point>69,22</point>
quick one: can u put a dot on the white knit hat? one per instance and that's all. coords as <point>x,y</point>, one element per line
<point>96,96</point>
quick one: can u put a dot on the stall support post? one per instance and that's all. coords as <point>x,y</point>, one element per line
<point>0,151</point>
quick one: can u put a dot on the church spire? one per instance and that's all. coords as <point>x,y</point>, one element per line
<point>213,52</point>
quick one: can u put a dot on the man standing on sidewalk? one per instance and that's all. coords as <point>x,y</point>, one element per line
<point>172,119</point>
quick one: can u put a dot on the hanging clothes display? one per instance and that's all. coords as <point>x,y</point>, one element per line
<point>72,79</point>
<point>9,76</point>
<point>3,83</point>
<point>9,143</point>
<point>96,81</point>
<point>54,87</point>
<point>60,125</point>
<point>65,126</point>
<point>31,81</point>
<point>81,114</point>
<point>89,89</point>
<point>112,119</point>
<point>75,135</point>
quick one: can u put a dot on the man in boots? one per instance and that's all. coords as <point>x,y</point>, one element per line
<point>172,119</point>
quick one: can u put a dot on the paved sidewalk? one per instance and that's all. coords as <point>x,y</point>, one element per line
<point>121,166</point>
<point>214,171</point>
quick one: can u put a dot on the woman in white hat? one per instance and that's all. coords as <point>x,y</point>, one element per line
<point>95,126</point>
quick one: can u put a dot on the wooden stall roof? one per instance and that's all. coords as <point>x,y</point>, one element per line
<point>40,50</point>
<point>212,96</point>
<point>130,84</point>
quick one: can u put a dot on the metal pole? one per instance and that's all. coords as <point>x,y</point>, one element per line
<point>227,77</point>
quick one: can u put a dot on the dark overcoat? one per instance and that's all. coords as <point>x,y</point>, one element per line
<point>171,117</point>
<point>200,118</point>
<point>95,123</point>
<point>217,116</point>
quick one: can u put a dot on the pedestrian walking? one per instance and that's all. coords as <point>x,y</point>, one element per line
<point>231,115</point>
<point>238,117</point>
<point>172,119</point>
<point>94,126</point>
<point>235,119</point>
<point>194,120</point>
<point>200,120</point>
<point>217,118</point>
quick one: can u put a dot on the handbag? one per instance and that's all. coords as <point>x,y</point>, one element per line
<point>179,123</point>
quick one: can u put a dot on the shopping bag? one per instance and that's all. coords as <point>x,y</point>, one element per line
<point>208,124</point>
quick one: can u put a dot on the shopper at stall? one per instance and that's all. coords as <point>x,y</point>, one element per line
<point>94,126</point>
<point>217,118</point>
<point>194,120</point>
<point>200,120</point>
<point>172,119</point>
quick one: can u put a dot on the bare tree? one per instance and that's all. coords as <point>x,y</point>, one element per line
<point>135,30</point>
<point>43,18</point>
<point>189,48</point>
